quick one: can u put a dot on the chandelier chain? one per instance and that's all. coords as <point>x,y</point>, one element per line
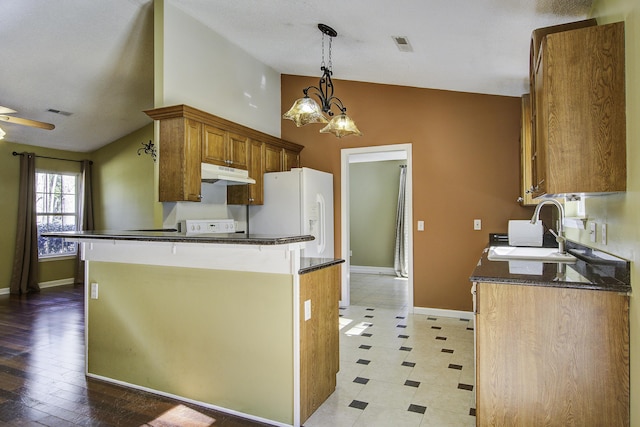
<point>328,64</point>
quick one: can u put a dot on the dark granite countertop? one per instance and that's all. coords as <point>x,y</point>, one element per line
<point>593,270</point>
<point>307,265</point>
<point>175,236</point>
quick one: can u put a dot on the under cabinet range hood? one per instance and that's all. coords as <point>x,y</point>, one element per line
<point>225,175</point>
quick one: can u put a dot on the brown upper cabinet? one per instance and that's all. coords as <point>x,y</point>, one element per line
<point>189,137</point>
<point>224,148</point>
<point>273,159</point>
<point>526,178</point>
<point>578,132</point>
<point>263,157</point>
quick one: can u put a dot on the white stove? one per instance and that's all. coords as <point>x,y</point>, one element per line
<point>209,226</point>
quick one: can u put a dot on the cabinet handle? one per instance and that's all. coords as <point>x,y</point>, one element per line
<point>520,199</point>
<point>474,293</point>
<point>251,200</point>
<point>200,196</point>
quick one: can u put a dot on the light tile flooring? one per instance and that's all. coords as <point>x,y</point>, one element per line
<point>378,290</point>
<point>399,369</point>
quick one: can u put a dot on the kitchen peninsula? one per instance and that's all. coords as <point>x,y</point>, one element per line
<point>239,323</point>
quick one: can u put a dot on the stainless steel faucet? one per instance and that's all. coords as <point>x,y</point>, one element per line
<point>560,234</point>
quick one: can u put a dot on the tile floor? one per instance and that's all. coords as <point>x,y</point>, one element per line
<point>378,290</point>
<point>397,368</point>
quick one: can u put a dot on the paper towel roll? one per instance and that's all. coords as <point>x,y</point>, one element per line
<point>523,233</point>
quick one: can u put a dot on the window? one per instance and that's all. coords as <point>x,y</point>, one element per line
<point>56,210</point>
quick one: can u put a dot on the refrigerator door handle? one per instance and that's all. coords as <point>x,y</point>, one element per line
<point>322,226</point>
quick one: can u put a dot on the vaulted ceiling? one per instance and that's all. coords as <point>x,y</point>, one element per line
<point>94,59</point>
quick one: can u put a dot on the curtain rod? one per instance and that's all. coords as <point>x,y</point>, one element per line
<point>52,158</point>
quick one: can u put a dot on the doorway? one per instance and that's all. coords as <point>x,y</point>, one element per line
<point>372,154</point>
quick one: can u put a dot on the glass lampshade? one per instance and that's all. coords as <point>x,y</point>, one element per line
<point>304,111</point>
<point>341,125</point>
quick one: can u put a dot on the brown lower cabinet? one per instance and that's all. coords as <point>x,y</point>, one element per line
<point>319,338</point>
<point>548,356</point>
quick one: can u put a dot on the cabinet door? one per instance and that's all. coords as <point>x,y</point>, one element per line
<point>539,142</point>
<point>256,171</point>
<point>526,177</point>
<point>192,173</point>
<point>179,163</point>
<point>319,338</point>
<point>252,194</point>
<point>272,158</point>
<point>214,146</point>
<point>551,356</point>
<point>580,111</point>
<point>291,159</point>
<point>237,151</point>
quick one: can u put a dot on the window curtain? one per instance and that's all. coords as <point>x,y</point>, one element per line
<point>85,221</point>
<point>400,259</point>
<point>24,275</point>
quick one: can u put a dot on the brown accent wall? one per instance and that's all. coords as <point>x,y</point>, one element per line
<point>465,165</point>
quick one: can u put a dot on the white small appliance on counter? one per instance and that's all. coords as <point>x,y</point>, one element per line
<point>297,202</point>
<point>524,233</point>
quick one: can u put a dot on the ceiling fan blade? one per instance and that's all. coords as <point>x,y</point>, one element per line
<point>6,110</point>
<point>27,122</point>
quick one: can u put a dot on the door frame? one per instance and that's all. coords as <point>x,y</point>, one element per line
<point>345,154</point>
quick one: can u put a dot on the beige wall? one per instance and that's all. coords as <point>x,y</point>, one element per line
<point>124,189</point>
<point>620,212</point>
<point>124,194</point>
<point>373,201</point>
<point>220,337</point>
<point>465,150</point>
<point>50,271</point>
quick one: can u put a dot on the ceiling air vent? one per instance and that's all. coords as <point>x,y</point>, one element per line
<point>402,42</point>
<point>64,113</point>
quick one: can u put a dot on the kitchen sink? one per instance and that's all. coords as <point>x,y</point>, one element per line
<point>506,253</point>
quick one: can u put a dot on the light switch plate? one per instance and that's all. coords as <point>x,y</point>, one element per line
<point>307,310</point>
<point>94,290</point>
<point>420,225</point>
<point>593,227</point>
<point>477,224</point>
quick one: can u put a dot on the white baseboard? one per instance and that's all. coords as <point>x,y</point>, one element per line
<point>439,312</point>
<point>365,269</point>
<point>60,282</point>
<point>48,284</point>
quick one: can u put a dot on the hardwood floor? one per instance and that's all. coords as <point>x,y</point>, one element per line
<point>42,367</point>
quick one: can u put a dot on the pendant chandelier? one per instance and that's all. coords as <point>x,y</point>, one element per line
<point>306,110</point>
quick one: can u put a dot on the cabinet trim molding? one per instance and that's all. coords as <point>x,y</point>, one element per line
<point>188,112</point>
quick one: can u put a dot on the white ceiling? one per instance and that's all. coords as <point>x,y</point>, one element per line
<point>95,58</point>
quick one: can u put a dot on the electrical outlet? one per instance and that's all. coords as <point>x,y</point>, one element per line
<point>603,234</point>
<point>592,231</point>
<point>477,224</point>
<point>420,225</point>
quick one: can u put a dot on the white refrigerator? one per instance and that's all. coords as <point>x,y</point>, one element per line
<point>297,202</point>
